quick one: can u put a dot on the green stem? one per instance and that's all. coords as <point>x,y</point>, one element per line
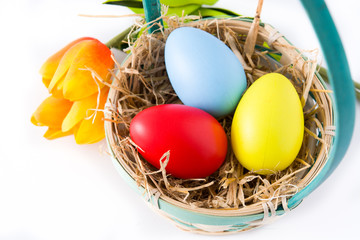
<point>324,76</point>
<point>152,9</point>
<point>118,39</point>
<point>357,90</point>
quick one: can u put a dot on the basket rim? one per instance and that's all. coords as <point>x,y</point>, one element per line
<point>242,211</point>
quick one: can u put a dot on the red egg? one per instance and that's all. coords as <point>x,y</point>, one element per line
<point>196,140</point>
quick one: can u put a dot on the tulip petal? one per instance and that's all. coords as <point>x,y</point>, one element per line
<point>79,82</point>
<point>57,90</point>
<point>80,109</point>
<point>48,69</point>
<point>78,112</point>
<point>53,133</point>
<point>35,121</point>
<point>65,63</point>
<point>46,81</point>
<point>90,131</point>
<point>51,112</point>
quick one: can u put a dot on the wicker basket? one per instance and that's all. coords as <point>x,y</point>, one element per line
<point>328,152</point>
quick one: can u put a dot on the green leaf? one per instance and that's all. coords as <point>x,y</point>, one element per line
<point>276,56</point>
<point>324,76</point>
<point>170,3</point>
<point>323,73</point>
<point>177,3</point>
<point>207,12</point>
<point>173,10</point>
<point>179,10</point>
<point>129,3</point>
<point>213,12</point>
<point>225,11</point>
<point>117,41</point>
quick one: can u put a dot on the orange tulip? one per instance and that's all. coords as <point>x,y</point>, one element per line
<point>76,96</point>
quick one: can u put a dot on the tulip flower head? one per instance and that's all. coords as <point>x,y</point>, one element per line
<point>76,94</point>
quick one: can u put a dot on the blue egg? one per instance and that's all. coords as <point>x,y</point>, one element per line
<point>203,71</point>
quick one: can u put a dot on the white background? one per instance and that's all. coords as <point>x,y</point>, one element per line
<point>60,190</point>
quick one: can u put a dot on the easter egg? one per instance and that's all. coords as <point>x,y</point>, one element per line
<point>268,125</point>
<point>203,71</point>
<point>196,141</point>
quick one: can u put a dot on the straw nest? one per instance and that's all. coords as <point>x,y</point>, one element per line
<point>142,82</point>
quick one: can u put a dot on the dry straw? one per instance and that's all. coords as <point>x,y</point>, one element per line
<point>142,82</point>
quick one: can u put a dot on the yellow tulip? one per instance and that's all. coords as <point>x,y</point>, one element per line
<point>77,98</point>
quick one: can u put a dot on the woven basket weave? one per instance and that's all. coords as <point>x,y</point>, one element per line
<point>221,221</point>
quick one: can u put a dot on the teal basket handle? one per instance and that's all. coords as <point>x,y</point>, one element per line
<point>152,9</point>
<point>343,91</point>
<point>339,77</point>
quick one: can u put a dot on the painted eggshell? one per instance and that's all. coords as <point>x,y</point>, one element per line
<point>203,71</point>
<point>196,140</point>
<point>268,125</point>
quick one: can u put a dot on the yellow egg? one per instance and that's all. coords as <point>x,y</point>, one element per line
<point>268,125</point>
